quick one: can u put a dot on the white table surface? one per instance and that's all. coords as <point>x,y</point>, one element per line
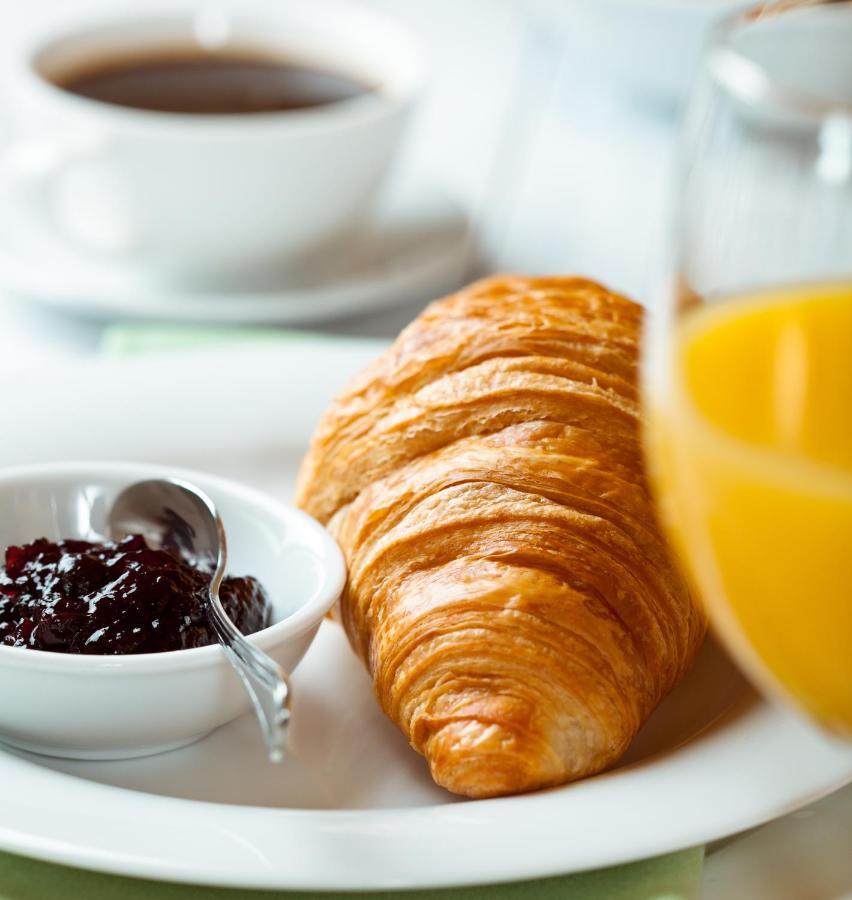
<point>560,171</point>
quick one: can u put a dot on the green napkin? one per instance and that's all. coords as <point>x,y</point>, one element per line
<point>673,877</point>
<point>676,876</point>
<point>120,340</point>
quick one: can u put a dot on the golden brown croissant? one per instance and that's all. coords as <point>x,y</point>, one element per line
<point>508,587</point>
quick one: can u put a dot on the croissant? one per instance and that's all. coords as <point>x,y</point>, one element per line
<point>508,587</point>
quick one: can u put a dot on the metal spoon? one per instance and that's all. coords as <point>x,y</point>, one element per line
<point>176,514</point>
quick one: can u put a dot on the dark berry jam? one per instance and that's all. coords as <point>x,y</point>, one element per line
<point>110,598</point>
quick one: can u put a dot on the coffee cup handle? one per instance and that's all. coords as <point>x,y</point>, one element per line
<point>72,189</point>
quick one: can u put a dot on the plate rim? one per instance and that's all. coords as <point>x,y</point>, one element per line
<point>486,819</point>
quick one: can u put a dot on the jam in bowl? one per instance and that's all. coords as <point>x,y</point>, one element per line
<point>116,597</point>
<point>78,679</point>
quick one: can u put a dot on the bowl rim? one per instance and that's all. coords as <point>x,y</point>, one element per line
<point>307,615</point>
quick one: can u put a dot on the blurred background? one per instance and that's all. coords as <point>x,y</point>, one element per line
<point>545,130</point>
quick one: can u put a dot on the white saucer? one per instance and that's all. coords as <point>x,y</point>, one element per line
<point>415,248</point>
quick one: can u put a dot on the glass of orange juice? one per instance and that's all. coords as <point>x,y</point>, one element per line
<point>748,368</point>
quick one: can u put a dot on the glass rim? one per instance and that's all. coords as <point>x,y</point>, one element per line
<point>749,81</point>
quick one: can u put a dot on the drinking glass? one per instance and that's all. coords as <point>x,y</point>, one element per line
<point>748,368</point>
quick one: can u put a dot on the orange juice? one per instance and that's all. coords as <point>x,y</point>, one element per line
<point>751,439</point>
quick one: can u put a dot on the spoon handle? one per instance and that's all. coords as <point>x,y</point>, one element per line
<point>264,680</point>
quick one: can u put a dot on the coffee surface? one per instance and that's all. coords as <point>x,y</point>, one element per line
<point>210,83</point>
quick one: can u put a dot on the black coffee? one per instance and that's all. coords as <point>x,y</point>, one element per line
<point>210,83</point>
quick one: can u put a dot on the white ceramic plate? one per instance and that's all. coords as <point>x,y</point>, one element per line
<point>353,806</point>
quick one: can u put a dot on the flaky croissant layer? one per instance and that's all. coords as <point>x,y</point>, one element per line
<point>508,587</point>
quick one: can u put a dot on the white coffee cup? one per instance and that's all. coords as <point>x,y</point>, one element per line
<point>207,199</point>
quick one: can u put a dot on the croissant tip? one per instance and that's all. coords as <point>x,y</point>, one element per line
<point>480,760</point>
<point>482,779</point>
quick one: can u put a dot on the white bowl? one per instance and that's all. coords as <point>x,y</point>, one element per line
<point>105,707</point>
